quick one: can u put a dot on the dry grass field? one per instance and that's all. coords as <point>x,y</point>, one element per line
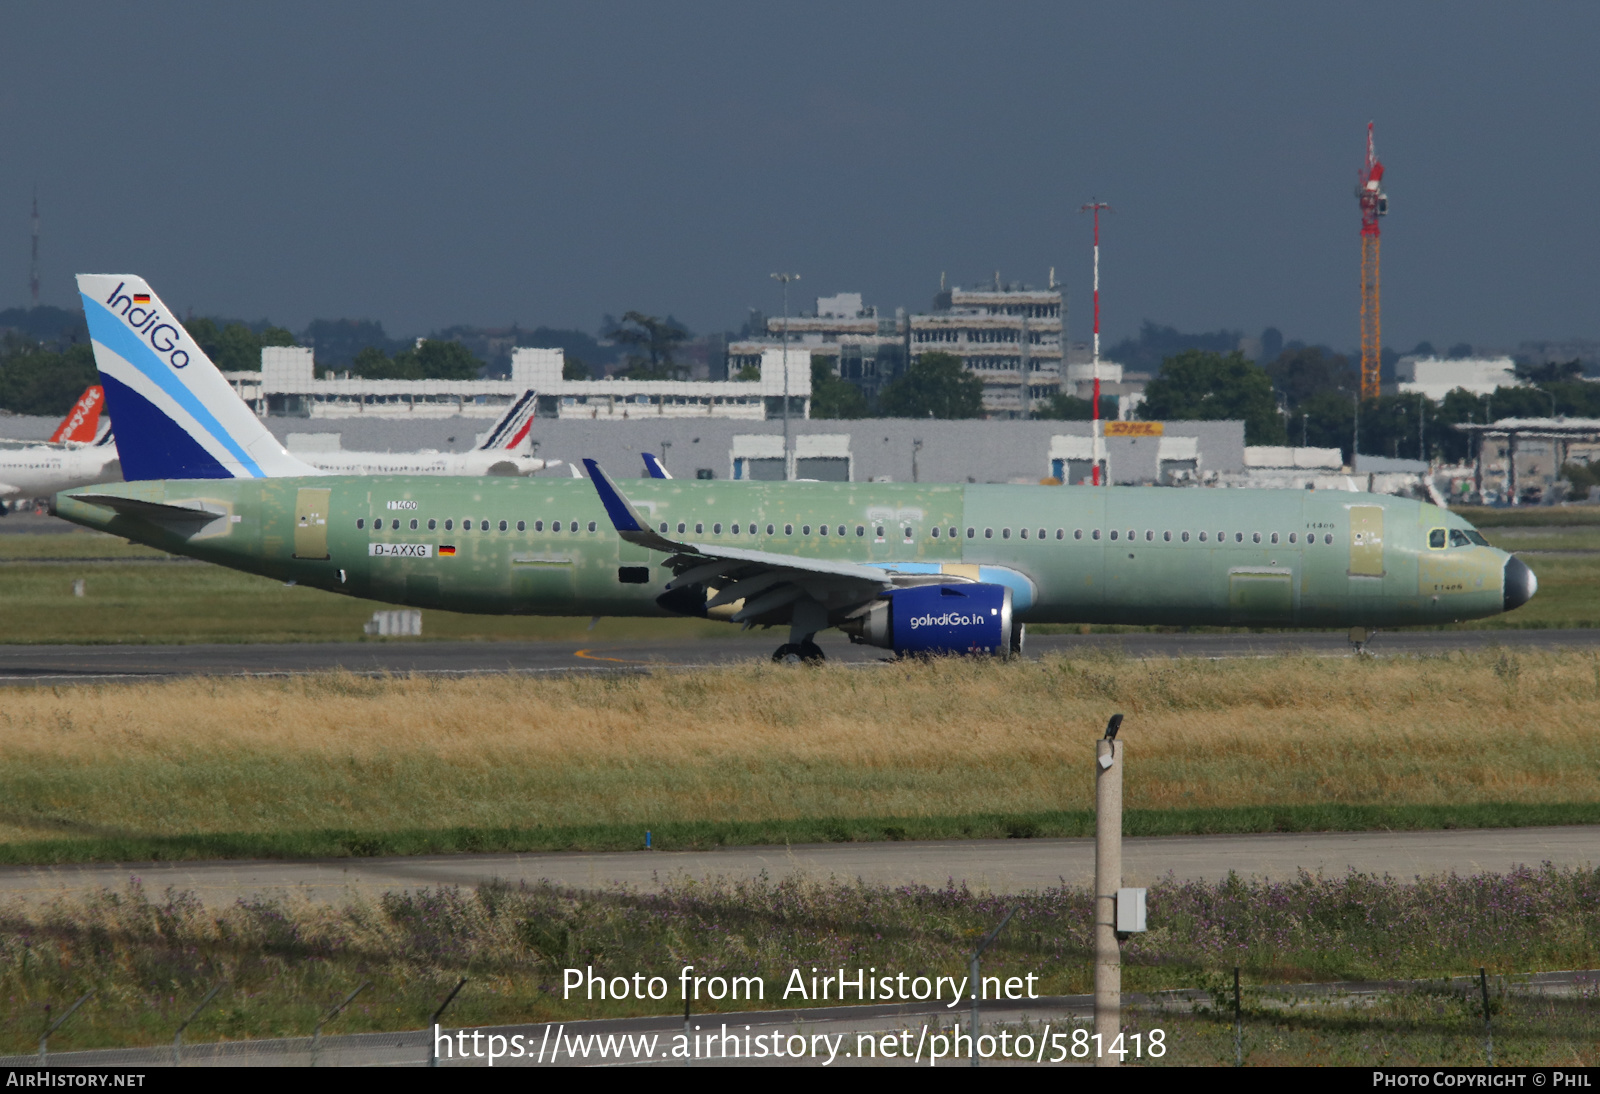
<point>271,761</point>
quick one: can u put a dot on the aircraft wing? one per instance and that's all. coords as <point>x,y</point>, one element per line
<point>765,580</point>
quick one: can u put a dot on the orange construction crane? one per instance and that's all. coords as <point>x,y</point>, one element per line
<point>1374,204</point>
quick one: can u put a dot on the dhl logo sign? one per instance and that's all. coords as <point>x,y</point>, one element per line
<point>1135,429</point>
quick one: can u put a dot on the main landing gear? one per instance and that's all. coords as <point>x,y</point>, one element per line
<point>808,618</point>
<point>799,653</point>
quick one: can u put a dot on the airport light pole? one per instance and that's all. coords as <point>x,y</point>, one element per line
<point>786,278</point>
<point>1107,880</point>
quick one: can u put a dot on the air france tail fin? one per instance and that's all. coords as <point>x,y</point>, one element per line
<point>511,431</point>
<point>176,415</point>
<point>83,420</point>
<point>653,467</point>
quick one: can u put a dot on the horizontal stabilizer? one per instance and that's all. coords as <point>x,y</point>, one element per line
<point>151,510</point>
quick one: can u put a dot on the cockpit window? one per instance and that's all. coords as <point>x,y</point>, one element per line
<point>1458,538</point>
<point>1436,538</point>
<point>1477,537</point>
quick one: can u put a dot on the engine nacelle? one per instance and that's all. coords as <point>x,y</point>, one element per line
<point>939,619</point>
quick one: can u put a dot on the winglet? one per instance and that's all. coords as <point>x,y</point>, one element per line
<point>628,520</point>
<point>653,466</point>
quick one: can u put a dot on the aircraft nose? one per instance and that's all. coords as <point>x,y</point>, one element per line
<point>1520,583</point>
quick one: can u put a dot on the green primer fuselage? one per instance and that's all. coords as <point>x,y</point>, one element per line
<point>1088,554</point>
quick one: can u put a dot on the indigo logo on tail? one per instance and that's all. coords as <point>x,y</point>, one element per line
<point>161,335</point>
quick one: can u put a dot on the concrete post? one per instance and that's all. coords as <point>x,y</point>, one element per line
<point>1107,880</point>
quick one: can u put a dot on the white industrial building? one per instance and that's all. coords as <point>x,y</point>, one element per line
<point>288,386</point>
<point>1436,377</point>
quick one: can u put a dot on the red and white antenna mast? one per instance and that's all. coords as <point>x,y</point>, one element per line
<point>1099,454</point>
<point>1374,204</point>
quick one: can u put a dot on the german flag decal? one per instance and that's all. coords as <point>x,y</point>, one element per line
<point>141,298</point>
<point>446,551</point>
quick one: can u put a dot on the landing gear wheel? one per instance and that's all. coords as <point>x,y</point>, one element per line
<point>798,653</point>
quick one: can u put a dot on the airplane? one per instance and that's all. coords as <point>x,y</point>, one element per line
<point>912,568</point>
<point>505,451</point>
<point>71,457</point>
<point>653,467</point>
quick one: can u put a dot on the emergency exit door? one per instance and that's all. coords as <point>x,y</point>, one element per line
<point>311,522</point>
<point>1366,541</point>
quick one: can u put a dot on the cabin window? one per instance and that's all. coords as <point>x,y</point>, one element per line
<point>538,526</point>
<point>1041,533</point>
<point>951,533</point>
<point>908,532</point>
<point>592,526</point>
<point>822,528</point>
<point>716,529</point>
<point>805,530</point>
<point>1327,538</point>
<point>1095,534</point>
<point>522,526</point>
<point>1166,537</point>
<point>878,531</point>
<point>1132,535</point>
<point>699,529</point>
<point>1149,535</point>
<point>1077,533</point>
<point>1202,537</point>
<point>988,533</point>
<point>503,526</point>
<point>788,529</point>
<point>1061,533</point>
<point>449,524</point>
<point>432,524</point>
<point>1222,537</point>
<point>734,529</point>
<point>413,524</point>
<point>935,533</point>
<point>361,522</point>
<point>1274,537</point>
<point>682,527</point>
<point>1005,533</point>
<point>1023,533</point>
<point>1185,536</point>
<point>1238,537</point>
<point>1436,538</point>
<point>483,526</point>
<point>769,529</point>
<point>841,530</point>
<point>1292,537</point>
<point>971,532</point>
<point>1255,537</point>
<point>1113,533</point>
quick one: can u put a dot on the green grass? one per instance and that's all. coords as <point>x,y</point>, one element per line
<point>706,835</point>
<point>283,962</point>
<point>162,601</point>
<point>1529,516</point>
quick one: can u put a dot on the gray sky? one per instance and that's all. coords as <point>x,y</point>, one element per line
<point>484,163</point>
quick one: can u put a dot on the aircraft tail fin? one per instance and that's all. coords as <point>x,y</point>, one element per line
<point>83,420</point>
<point>511,431</point>
<point>176,415</point>
<point>653,466</point>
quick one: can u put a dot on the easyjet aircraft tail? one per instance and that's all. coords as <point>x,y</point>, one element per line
<point>83,420</point>
<point>176,415</point>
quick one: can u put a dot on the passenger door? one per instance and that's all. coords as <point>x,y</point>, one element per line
<point>311,522</point>
<point>1366,541</point>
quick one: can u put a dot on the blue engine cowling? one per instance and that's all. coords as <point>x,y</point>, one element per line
<point>940,619</point>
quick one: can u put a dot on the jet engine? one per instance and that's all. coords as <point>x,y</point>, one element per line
<point>939,619</point>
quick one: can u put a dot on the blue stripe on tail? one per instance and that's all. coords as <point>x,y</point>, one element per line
<point>152,445</point>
